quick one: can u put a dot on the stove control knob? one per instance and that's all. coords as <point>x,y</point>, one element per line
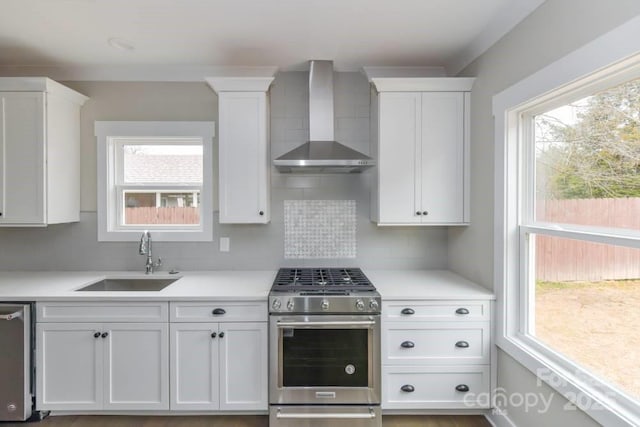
<point>359,305</point>
<point>276,304</point>
<point>290,305</point>
<point>373,304</point>
<point>324,305</point>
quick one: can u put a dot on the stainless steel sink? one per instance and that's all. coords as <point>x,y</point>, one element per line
<point>128,285</point>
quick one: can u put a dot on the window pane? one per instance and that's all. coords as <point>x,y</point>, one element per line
<point>161,208</point>
<point>587,306</point>
<point>148,163</point>
<point>588,160</point>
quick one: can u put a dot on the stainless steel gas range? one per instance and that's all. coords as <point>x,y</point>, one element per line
<point>324,332</point>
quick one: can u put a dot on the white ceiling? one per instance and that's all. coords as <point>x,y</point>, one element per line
<point>284,33</point>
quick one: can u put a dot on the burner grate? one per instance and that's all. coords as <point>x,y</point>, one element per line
<point>345,278</point>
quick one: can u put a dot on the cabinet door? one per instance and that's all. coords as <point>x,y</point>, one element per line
<point>194,366</point>
<point>244,157</point>
<point>398,157</point>
<point>136,366</point>
<point>22,174</point>
<point>442,162</point>
<point>243,366</point>
<point>69,357</point>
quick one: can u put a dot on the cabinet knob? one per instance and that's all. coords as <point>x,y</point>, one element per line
<point>261,213</point>
<point>105,334</point>
<point>408,388</point>
<point>418,213</point>
<point>408,311</point>
<point>219,311</point>
<point>213,334</point>
<point>96,335</point>
<point>462,344</point>
<point>407,344</point>
<point>462,387</point>
<point>221,335</point>
<point>462,310</point>
<point>0,213</point>
<point>425,213</point>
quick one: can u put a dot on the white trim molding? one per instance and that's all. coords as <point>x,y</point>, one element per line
<point>498,418</point>
<point>422,84</point>
<point>605,59</point>
<point>105,133</point>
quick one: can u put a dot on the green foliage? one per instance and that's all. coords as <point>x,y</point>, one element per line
<point>595,155</point>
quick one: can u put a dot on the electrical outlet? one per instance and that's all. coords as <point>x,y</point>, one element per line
<point>224,244</point>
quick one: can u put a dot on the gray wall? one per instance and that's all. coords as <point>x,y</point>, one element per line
<point>75,246</point>
<point>555,29</point>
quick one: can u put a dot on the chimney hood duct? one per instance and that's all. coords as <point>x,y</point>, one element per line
<point>322,154</point>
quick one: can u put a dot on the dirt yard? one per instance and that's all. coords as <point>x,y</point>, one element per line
<point>596,325</point>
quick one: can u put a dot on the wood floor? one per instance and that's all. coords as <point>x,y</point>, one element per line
<point>239,421</point>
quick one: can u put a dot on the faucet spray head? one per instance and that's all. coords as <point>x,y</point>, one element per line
<point>144,243</point>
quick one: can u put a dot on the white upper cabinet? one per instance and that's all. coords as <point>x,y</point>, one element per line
<point>420,129</point>
<point>39,152</point>
<point>244,155</point>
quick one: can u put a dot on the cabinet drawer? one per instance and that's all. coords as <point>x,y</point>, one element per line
<point>436,310</point>
<point>139,312</point>
<point>435,387</point>
<point>252,311</point>
<point>441,343</point>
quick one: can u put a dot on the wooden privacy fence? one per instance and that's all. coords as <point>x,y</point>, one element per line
<point>559,259</point>
<point>170,215</point>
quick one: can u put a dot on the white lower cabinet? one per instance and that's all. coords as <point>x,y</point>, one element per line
<point>219,356</point>
<point>136,356</point>
<point>69,366</point>
<point>219,366</point>
<point>102,366</point>
<point>438,387</point>
<point>428,363</point>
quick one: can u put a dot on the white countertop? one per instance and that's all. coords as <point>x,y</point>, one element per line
<point>191,285</point>
<point>225,285</point>
<point>425,284</point>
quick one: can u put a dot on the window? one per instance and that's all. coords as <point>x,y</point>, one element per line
<point>567,258</point>
<point>154,176</point>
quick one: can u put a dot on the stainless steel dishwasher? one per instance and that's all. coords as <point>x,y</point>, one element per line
<point>16,361</point>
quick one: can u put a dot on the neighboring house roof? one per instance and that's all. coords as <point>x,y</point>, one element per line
<point>146,168</point>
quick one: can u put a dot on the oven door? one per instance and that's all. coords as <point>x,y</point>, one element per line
<point>324,359</point>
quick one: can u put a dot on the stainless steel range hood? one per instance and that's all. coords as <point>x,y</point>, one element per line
<point>322,154</point>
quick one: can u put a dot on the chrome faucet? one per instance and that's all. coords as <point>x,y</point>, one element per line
<point>145,249</point>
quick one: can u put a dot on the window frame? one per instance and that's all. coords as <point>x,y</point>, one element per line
<point>110,137</point>
<point>610,59</point>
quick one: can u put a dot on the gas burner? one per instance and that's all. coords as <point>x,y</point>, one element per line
<point>323,291</point>
<point>348,278</point>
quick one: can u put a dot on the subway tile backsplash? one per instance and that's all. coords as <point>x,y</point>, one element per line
<point>319,229</point>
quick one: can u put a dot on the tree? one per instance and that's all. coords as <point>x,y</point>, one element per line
<point>591,148</point>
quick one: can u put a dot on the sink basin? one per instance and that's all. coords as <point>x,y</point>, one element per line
<point>130,285</point>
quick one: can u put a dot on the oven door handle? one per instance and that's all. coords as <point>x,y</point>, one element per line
<point>301,415</point>
<point>347,323</point>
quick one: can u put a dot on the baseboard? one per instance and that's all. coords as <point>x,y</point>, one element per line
<point>498,418</point>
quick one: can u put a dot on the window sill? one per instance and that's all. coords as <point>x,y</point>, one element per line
<point>157,236</point>
<point>599,400</point>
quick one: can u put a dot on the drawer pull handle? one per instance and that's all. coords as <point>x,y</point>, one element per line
<point>407,344</point>
<point>408,388</point>
<point>221,334</point>
<point>462,387</point>
<point>105,334</point>
<point>408,311</point>
<point>96,335</point>
<point>213,334</point>
<point>462,310</point>
<point>219,311</point>
<point>462,344</point>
